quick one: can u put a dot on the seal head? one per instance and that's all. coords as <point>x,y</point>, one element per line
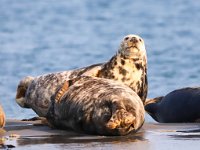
<point>21,91</point>
<point>133,47</point>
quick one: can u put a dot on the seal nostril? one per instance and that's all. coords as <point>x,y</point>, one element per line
<point>134,40</point>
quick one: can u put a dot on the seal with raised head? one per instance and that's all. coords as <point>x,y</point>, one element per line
<point>179,106</point>
<point>128,66</point>
<point>96,106</point>
<point>2,117</point>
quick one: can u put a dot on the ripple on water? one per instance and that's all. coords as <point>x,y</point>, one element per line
<point>39,37</point>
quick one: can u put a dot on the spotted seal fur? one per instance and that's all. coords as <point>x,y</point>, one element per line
<point>96,106</point>
<point>128,66</point>
<point>178,106</point>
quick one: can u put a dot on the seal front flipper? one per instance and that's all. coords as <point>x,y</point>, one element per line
<point>56,99</point>
<point>62,90</point>
<point>121,118</point>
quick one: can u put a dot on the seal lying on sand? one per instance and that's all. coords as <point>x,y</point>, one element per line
<point>2,117</point>
<point>96,106</point>
<point>181,105</point>
<point>128,66</point>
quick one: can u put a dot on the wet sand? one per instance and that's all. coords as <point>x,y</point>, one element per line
<point>152,136</point>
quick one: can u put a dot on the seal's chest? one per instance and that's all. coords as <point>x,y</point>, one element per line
<point>128,74</point>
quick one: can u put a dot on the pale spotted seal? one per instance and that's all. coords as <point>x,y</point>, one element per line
<point>2,117</point>
<point>180,105</point>
<point>96,106</point>
<point>128,66</point>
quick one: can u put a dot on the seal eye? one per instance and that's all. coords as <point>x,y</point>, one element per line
<point>126,38</point>
<point>140,40</point>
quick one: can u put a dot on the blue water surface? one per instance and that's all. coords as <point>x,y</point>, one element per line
<point>43,36</point>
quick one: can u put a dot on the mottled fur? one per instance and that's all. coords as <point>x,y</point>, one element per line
<point>97,106</point>
<point>36,92</point>
<point>127,74</point>
<point>128,66</point>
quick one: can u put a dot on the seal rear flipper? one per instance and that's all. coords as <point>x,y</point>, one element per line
<point>151,106</point>
<point>152,110</point>
<point>120,119</point>
<point>153,100</point>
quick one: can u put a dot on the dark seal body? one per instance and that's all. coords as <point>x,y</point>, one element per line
<point>128,66</point>
<point>96,106</point>
<point>178,106</point>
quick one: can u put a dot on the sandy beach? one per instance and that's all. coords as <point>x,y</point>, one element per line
<point>152,136</point>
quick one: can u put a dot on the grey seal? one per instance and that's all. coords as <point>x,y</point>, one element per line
<point>127,66</point>
<point>96,106</point>
<point>179,106</point>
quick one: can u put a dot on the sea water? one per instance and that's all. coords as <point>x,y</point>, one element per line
<point>42,36</point>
